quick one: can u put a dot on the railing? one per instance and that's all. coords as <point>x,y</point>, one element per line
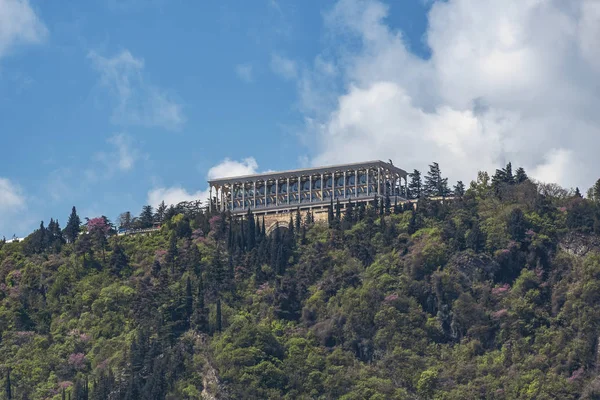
<point>136,231</point>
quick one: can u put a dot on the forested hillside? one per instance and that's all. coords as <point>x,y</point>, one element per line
<point>493,293</point>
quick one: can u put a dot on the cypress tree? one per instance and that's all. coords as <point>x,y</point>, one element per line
<point>200,312</point>
<point>291,226</point>
<point>298,220</point>
<point>8,387</point>
<point>189,301</point>
<point>388,203</point>
<point>219,321</point>
<point>330,213</point>
<point>118,260</point>
<point>72,228</point>
<point>251,230</point>
<point>338,211</point>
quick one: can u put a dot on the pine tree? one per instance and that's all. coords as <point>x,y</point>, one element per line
<point>161,210</point>
<point>415,186</point>
<point>577,193</point>
<point>521,176</point>
<point>595,192</point>
<point>435,185</point>
<point>459,189</point>
<point>72,228</point>
<point>146,217</point>
<point>330,214</point>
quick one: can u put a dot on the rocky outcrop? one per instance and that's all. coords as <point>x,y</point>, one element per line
<point>579,244</point>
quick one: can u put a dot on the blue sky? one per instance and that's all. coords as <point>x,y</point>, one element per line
<point>109,105</point>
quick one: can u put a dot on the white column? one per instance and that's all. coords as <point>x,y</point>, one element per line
<point>322,188</point>
<point>367,172</point>
<point>276,191</point>
<point>356,182</point>
<point>299,189</point>
<point>310,188</point>
<point>254,192</point>
<point>379,181</point>
<point>210,199</point>
<point>344,184</point>
<point>244,195</point>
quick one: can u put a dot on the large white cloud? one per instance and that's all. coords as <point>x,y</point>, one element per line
<point>511,80</point>
<point>226,168</point>
<point>19,24</point>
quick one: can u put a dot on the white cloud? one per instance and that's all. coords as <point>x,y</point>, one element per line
<point>507,81</point>
<point>11,197</point>
<point>12,205</point>
<point>125,155</point>
<point>244,72</point>
<point>19,24</point>
<point>283,67</point>
<point>226,168</point>
<point>138,102</point>
<point>174,195</point>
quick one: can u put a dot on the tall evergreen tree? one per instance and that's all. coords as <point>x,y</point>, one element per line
<point>251,230</point>
<point>118,260</point>
<point>72,228</point>
<point>146,217</point>
<point>200,312</point>
<point>577,193</point>
<point>459,189</point>
<point>415,186</point>
<point>219,317</point>
<point>161,210</point>
<point>521,176</point>
<point>7,385</point>
<point>338,211</point>
<point>388,204</point>
<point>298,220</point>
<point>435,185</point>
<point>595,192</point>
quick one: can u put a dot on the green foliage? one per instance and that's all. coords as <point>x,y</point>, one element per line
<point>493,294</point>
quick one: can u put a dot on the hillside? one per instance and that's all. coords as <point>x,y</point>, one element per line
<point>494,294</point>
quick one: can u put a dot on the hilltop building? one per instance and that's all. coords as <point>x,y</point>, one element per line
<point>309,189</point>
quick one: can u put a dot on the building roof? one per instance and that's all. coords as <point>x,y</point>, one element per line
<point>308,171</point>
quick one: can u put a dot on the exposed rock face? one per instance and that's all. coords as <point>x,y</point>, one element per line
<point>473,265</point>
<point>579,244</point>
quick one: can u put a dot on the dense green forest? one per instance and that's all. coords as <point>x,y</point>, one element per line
<point>492,293</point>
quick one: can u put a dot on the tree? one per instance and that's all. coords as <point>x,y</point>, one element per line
<point>98,229</point>
<point>146,217</point>
<point>161,210</point>
<point>125,220</point>
<point>118,260</point>
<point>521,176</point>
<point>298,220</point>
<point>594,192</point>
<point>200,319</point>
<point>517,225</point>
<point>8,388</point>
<point>72,228</point>
<point>459,189</point>
<point>435,185</point>
<point>577,193</point>
<point>172,252</point>
<point>415,186</point>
